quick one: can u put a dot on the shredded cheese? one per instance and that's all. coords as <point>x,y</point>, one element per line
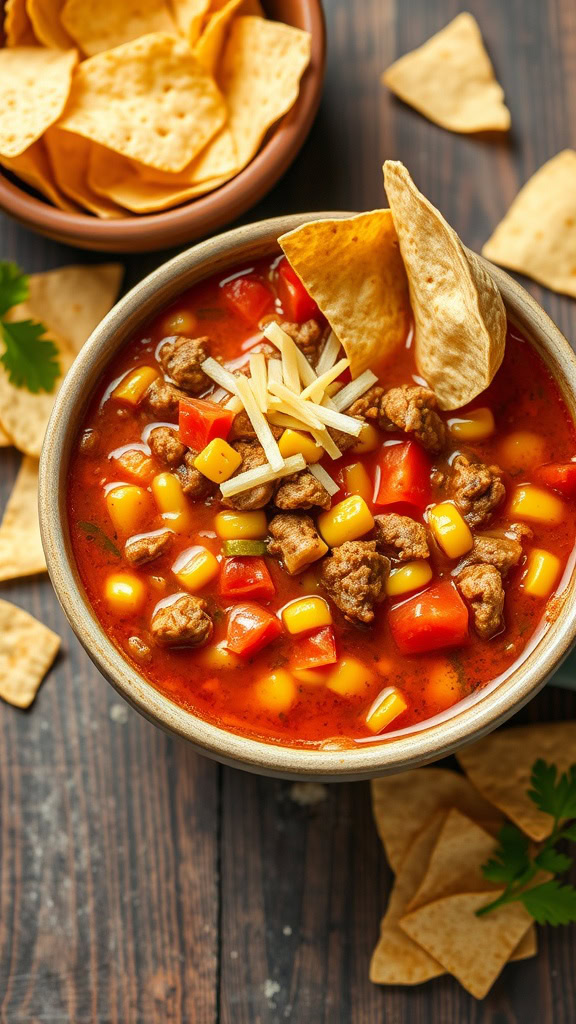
<point>354,390</point>
<point>329,354</point>
<point>281,419</point>
<point>274,333</point>
<point>304,411</point>
<point>324,478</point>
<point>222,377</point>
<point>234,404</point>
<point>275,369</point>
<point>260,424</point>
<point>290,371</point>
<point>337,420</point>
<point>261,475</point>
<point>316,390</point>
<point>259,380</point>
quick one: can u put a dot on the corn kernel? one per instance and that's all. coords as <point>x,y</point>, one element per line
<point>310,676</point>
<point>542,572</point>
<point>218,460</point>
<point>450,530</point>
<point>133,386</point>
<point>195,568</point>
<point>408,577</point>
<point>355,480</point>
<point>350,677</point>
<point>306,613</point>
<point>172,502</point>
<point>241,525</point>
<point>125,594</point>
<point>276,692</point>
<point>217,657</point>
<point>348,520</point>
<point>368,440</point>
<point>388,705</point>
<point>182,321</point>
<point>443,687</point>
<point>522,449</point>
<point>128,507</point>
<point>476,425</point>
<point>536,505</point>
<point>293,442</point>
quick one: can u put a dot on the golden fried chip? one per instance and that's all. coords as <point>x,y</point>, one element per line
<point>17,25</point>
<point>354,271</point>
<point>473,949</point>
<point>48,28</point>
<point>455,863</point>
<point>5,440</point>
<point>537,234</point>
<point>101,25</point>
<point>34,86</point>
<point>149,99</point>
<point>189,16</point>
<point>260,72</point>
<point>33,167</point>
<point>425,791</point>
<point>459,316</point>
<point>21,551</point>
<point>217,160</point>
<point>451,81</point>
<point>69,156</point>
<point>209,45</point>
<point>500,767</point>
<point>25,415</point>
<point>27,650</point>
<point>114,177</point>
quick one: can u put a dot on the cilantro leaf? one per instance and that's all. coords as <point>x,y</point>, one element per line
<point>551,903</point>
<point>29,361</point>
<point>570,832</point>
<point>552,860</point>
<point>13,286</point>
<point>552,795</point>
<point>510,859</point>
<point>96,533</point>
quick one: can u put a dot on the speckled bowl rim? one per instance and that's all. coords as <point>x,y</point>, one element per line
<point>433,741</point>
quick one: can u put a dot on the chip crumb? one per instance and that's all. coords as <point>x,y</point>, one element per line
<point>271,988</point>
<point>118,713</point>
<point>286,930</point>
<point>308,793</point>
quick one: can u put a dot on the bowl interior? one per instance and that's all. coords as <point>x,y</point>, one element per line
<point>437,737</point>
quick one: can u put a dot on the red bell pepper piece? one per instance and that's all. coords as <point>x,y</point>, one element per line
<point>559,475</point>
<point>200,422</point>
<point>246,577</point>
<point>248,297</point>
<point>403,476</point>
<point>315,650</point>
<point>435,618</point>
<point>250,628</point>
<point>297,304</point>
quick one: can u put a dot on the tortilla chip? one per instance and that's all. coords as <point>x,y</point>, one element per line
<point>354,271</point>
<point>33,167</point>
<point>48,28</point>
<point>5,440</point>
<point>455,863</point>
<point>27,650</point>
<point>209,46</point>
<point>537,237</point>
<point>500,766</point>
<point>189,16</point>
<point>473,949</point>
<point>218,159</point>
<point>101,25</point>
<point>451,81</point>
<point>149,99</point>
<point>425,791</point>
<point>25,415</point>
<point>459,316</point>
<point>260,72</point>
<point>69,156</point>
<point>27,109</point>
<point>21,551</point>
<point>17,25</point>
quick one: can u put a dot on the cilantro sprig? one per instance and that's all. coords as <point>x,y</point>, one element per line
<point>30,360</point>
<point>515,863</point>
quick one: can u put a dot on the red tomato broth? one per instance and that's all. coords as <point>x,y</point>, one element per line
<point>522,396</point>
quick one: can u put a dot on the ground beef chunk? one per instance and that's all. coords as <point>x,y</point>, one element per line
<point>355,577</point>
<point>194,484</point>
<point>481,586</point>
<point>401,537</point>
<point>166,446</point>
<point>302,490</point>
<point>139,649</point>
<point>519,531</point>
<point>185,622</point>
<point>411,409</point>
<point>181,360</point>
<point>308,336</point>
<point>242,428</point>
<point>369,405</point>
<point>342,440</point>
<point>500,552</point>
<point>148,546</point>
<point>89,442</point>
<point>476,489</point>
<point>253,455</point>
<point>163,399</point>
<point>296,541</point>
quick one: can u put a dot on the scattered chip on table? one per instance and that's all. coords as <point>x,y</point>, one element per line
<point>27,650</point>
<point>5,440</point>
<point>27,110</point>
<point>21,551</point>
<point>101,25</point>
<point>450,80</point>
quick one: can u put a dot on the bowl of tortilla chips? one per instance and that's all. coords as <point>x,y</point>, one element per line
<point>152,127</point>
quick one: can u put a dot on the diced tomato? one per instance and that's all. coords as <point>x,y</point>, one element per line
<point>200,422</point>
<point>297,304</point>
<point>246,577</point>
<point>559,475</point>
<point>249,298</point>
<point>250,628</point>
<point>315,650</point>
<point>403,476</point>
<point>433,619</point>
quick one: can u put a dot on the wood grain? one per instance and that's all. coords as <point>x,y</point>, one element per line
<point>139,883</point>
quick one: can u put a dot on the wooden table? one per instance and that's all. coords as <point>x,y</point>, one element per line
<point>140,883</point>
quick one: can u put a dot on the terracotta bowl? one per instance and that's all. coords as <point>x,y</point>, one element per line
<point>404,749</point>
<point>197,218</point>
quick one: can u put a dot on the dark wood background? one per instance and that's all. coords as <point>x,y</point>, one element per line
<point>140,883</point>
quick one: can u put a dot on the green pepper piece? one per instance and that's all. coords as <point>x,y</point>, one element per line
<point>244,547</point>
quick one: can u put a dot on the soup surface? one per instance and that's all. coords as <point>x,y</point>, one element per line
<point>427,571</point>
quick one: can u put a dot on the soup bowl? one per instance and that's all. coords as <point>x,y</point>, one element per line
<point>473,717</point>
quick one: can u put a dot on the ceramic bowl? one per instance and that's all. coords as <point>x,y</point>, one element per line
<point>197,218</point>
<point>404,749</point>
